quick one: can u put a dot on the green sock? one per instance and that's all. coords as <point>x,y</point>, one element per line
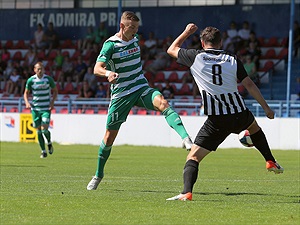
<point>47,135</point>
<point>103,154</point>
<point>41,139</point>
<point>175,122</point>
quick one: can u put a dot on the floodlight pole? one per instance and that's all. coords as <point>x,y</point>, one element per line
<point>289,67</point>
<point>119,14</point>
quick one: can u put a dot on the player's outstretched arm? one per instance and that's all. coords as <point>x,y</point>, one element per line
<point>175,46</point>
<point>255,93</point>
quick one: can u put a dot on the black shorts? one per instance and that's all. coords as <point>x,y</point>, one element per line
<point>216,128</point>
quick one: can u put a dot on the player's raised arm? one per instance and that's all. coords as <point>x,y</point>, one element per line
<point>175,46</point>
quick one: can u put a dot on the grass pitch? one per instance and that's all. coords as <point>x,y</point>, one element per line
<point>233,187</point>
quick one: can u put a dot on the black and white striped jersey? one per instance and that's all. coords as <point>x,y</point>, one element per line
<point>216,74</point>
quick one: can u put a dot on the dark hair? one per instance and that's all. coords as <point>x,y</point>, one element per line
<point>211,35</point>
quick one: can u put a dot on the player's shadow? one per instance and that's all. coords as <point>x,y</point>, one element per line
<point>22,166</point>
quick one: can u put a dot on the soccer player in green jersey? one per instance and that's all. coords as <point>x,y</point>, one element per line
<point>41,85</point>
<point>120,61</point>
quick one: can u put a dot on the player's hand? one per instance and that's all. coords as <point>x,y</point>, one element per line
<point>191,28</point>
<point>27,105</point>
<point>112,77</point>
<point>270,113</point>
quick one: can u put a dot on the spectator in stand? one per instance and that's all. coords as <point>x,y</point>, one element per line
<point>85,92</point>
<point>144,50</point>
<point>151,45</point>
<point>101,91</point>
<point>254,51</point>
<point>101,34</point>
<point>251,70</point>
<point>66,71</point>
<point>58,60</point>
<point>3,66</point>
<point>296,38</point>
<point>233,34</point>
<point>14,83</point>
<point>79,70</point>
<point>253,38</point>
<point>227,44</point>
<point>94,54</point>
<point>51,37</point>
<point>244,35</point>
<point>91,78</point>
<point>30,58</point>
<point>8,69</point>
<point>195,42</point>
<point>39,38</point>
<point>25,76</point>
<point>168,91</point>
<point>87,42</point>
<point>162,60</point>
<point>5,55</point>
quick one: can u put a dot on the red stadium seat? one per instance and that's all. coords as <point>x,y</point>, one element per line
<point>20,45</point>
<point>102,111</point>
<point>272,42</point>
<point>141,112</point>
<point>64,111</point>
<point>159,77</point>
<point>268,65</point>
<point>270,54</point>
<point>183,112</point>
<point>25,110</point>
<point>173,77</point>
<point>282,54</point>
<point>17,56</point>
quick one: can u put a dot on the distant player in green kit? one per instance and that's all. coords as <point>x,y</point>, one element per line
<point>41,85</point>
<point>120,61</point>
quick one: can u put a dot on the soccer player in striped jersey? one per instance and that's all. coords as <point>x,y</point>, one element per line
<point>216,73</point>
<point>120,61</point>
<point>41,86</point>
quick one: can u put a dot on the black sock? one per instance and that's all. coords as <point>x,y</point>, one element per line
<point>260,142</point>
<point>190,175</point>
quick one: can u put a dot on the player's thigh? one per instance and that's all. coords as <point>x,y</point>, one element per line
<point>211,135</point>
<point>118,111</point>
<point>244,120</point>
<point>36,118</point>
<point>147,98</point>
<point>45,116</point>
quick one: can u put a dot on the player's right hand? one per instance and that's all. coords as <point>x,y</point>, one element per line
<point>112,77</point>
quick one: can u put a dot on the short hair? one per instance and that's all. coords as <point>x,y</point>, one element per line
<point>211,35</point>
<point>128,15</point>
<point>39,63</point>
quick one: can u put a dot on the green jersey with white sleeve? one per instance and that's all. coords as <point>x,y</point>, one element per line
<point>41,91</point>
<point>123,58</point>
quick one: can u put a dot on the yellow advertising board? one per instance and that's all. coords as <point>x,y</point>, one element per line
<point>27,131</point>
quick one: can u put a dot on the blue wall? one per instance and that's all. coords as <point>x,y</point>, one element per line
<point>265,20</point>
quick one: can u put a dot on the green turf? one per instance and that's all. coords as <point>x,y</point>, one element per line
<point>233,187</point>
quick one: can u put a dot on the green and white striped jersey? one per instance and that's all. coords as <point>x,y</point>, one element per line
<point>123,58</point>
<point>41,91</point>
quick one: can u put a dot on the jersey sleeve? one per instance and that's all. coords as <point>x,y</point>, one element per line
<point>186,57</point>
<point>241,72</point>
<point>51,82</point>
<point>106,52</point>
<point>28,84</point>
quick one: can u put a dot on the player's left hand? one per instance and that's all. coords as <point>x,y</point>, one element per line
<point>270,113</point>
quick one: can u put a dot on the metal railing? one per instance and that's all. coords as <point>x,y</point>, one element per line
<point>191,106</point>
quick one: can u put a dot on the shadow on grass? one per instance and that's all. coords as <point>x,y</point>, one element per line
<point>21,166</point>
